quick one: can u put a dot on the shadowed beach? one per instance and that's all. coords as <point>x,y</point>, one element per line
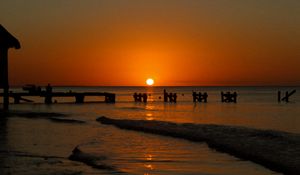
<point>276,150</point>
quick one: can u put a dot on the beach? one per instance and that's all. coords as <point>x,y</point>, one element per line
<point>65,138</point>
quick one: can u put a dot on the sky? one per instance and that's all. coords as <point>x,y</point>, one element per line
<point>175,42</point>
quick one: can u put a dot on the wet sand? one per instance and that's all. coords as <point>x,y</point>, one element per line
<point>32,149</point>
<point>279,151</point>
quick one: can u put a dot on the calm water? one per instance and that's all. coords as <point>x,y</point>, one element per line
<point>139,153</point>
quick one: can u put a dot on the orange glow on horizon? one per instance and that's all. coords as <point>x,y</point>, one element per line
<point>182,44</point>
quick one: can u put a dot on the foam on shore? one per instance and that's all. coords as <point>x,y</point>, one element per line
<point>279,151</point>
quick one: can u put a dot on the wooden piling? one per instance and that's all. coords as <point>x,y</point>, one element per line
<point>7,41</point>
<point>170,97</point>
<point>279,96</point>
<point>286,97</point>
<point>79,98</point>
<point>228,97</point>
<point>200,97</point>
<point>4,76</point>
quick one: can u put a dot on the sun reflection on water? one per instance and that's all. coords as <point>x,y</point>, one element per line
<point>149,116</point>
<point>149,157</point>
<point>149,166</point>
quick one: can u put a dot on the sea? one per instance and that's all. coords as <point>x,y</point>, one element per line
<point>37,145</point>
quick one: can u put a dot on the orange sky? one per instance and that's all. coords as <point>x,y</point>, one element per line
<point>176,42</point>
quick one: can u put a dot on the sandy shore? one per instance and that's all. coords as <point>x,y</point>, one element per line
<point>279,151</point>
<point>29,147</point>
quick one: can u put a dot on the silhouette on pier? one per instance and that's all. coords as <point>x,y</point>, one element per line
<point>229,97</point>
<point>200,97</point>
<point>6,41</point>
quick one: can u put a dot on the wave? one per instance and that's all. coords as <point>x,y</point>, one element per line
<point>95,161</point>
<point>64,120</point>
<point>279,151</point>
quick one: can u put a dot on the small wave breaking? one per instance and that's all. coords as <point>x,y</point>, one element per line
<point>92,160</point>
<point>279,151</point>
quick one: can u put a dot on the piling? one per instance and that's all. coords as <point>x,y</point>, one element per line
<point>228,97</point>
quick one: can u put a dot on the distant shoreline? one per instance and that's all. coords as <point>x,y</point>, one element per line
<point>279,151</point>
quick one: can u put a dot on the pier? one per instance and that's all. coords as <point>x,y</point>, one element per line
<point>79,96</point>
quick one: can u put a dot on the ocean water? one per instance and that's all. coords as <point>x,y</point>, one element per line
<point>42,146</point>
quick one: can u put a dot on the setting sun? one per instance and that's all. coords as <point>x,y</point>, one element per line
<point>150,81</point>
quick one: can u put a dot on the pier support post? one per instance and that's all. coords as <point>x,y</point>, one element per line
<point>7,41</point>
<point>48,99</point>
<point>228,97</point>
<point>79,98</point>
<point>286,97</point>
<point>110,98</point>
<point>140,97</point>
<point>279,96</point>
<point>17,99</point>
<point>170,97</point>
<point>4,77</point>
<point>200,97</point>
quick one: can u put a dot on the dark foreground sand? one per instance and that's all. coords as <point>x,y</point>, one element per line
<point>279,151</point>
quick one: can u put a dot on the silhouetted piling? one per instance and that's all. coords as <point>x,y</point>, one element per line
<point>170,97</point>
<point>48,96</point>
<point>200,97</point>
<point>79,98</point>
<point>110,98</point>
<point>286,97</point>
<point>7,41</point>
<point>229,97</point>
<point>139,97</point>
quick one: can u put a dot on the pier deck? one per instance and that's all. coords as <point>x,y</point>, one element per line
<point>79,96</point>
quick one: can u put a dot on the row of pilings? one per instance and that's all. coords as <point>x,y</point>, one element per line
<point>202,97</point>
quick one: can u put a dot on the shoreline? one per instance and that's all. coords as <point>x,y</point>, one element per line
<point>276,150</point>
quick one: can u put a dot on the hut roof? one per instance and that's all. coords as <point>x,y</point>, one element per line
<point>7,40</point>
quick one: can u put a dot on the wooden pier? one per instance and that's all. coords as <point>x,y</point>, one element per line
<point>79,96</point>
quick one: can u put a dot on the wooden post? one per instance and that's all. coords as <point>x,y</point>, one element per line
<point>165,96</point>
<point>48,99</point>
<point>286,97</point>
<point>79,98</point>
<point>7,41</point>
<point>222,97</point>
<point>4,76</point>
<point>17,99</point>
<point>229,97</point>
<point>194,94</point>
<point>279,96</point>
<point>110,98</point>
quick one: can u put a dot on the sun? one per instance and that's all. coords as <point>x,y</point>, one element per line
<point>149,81</point>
